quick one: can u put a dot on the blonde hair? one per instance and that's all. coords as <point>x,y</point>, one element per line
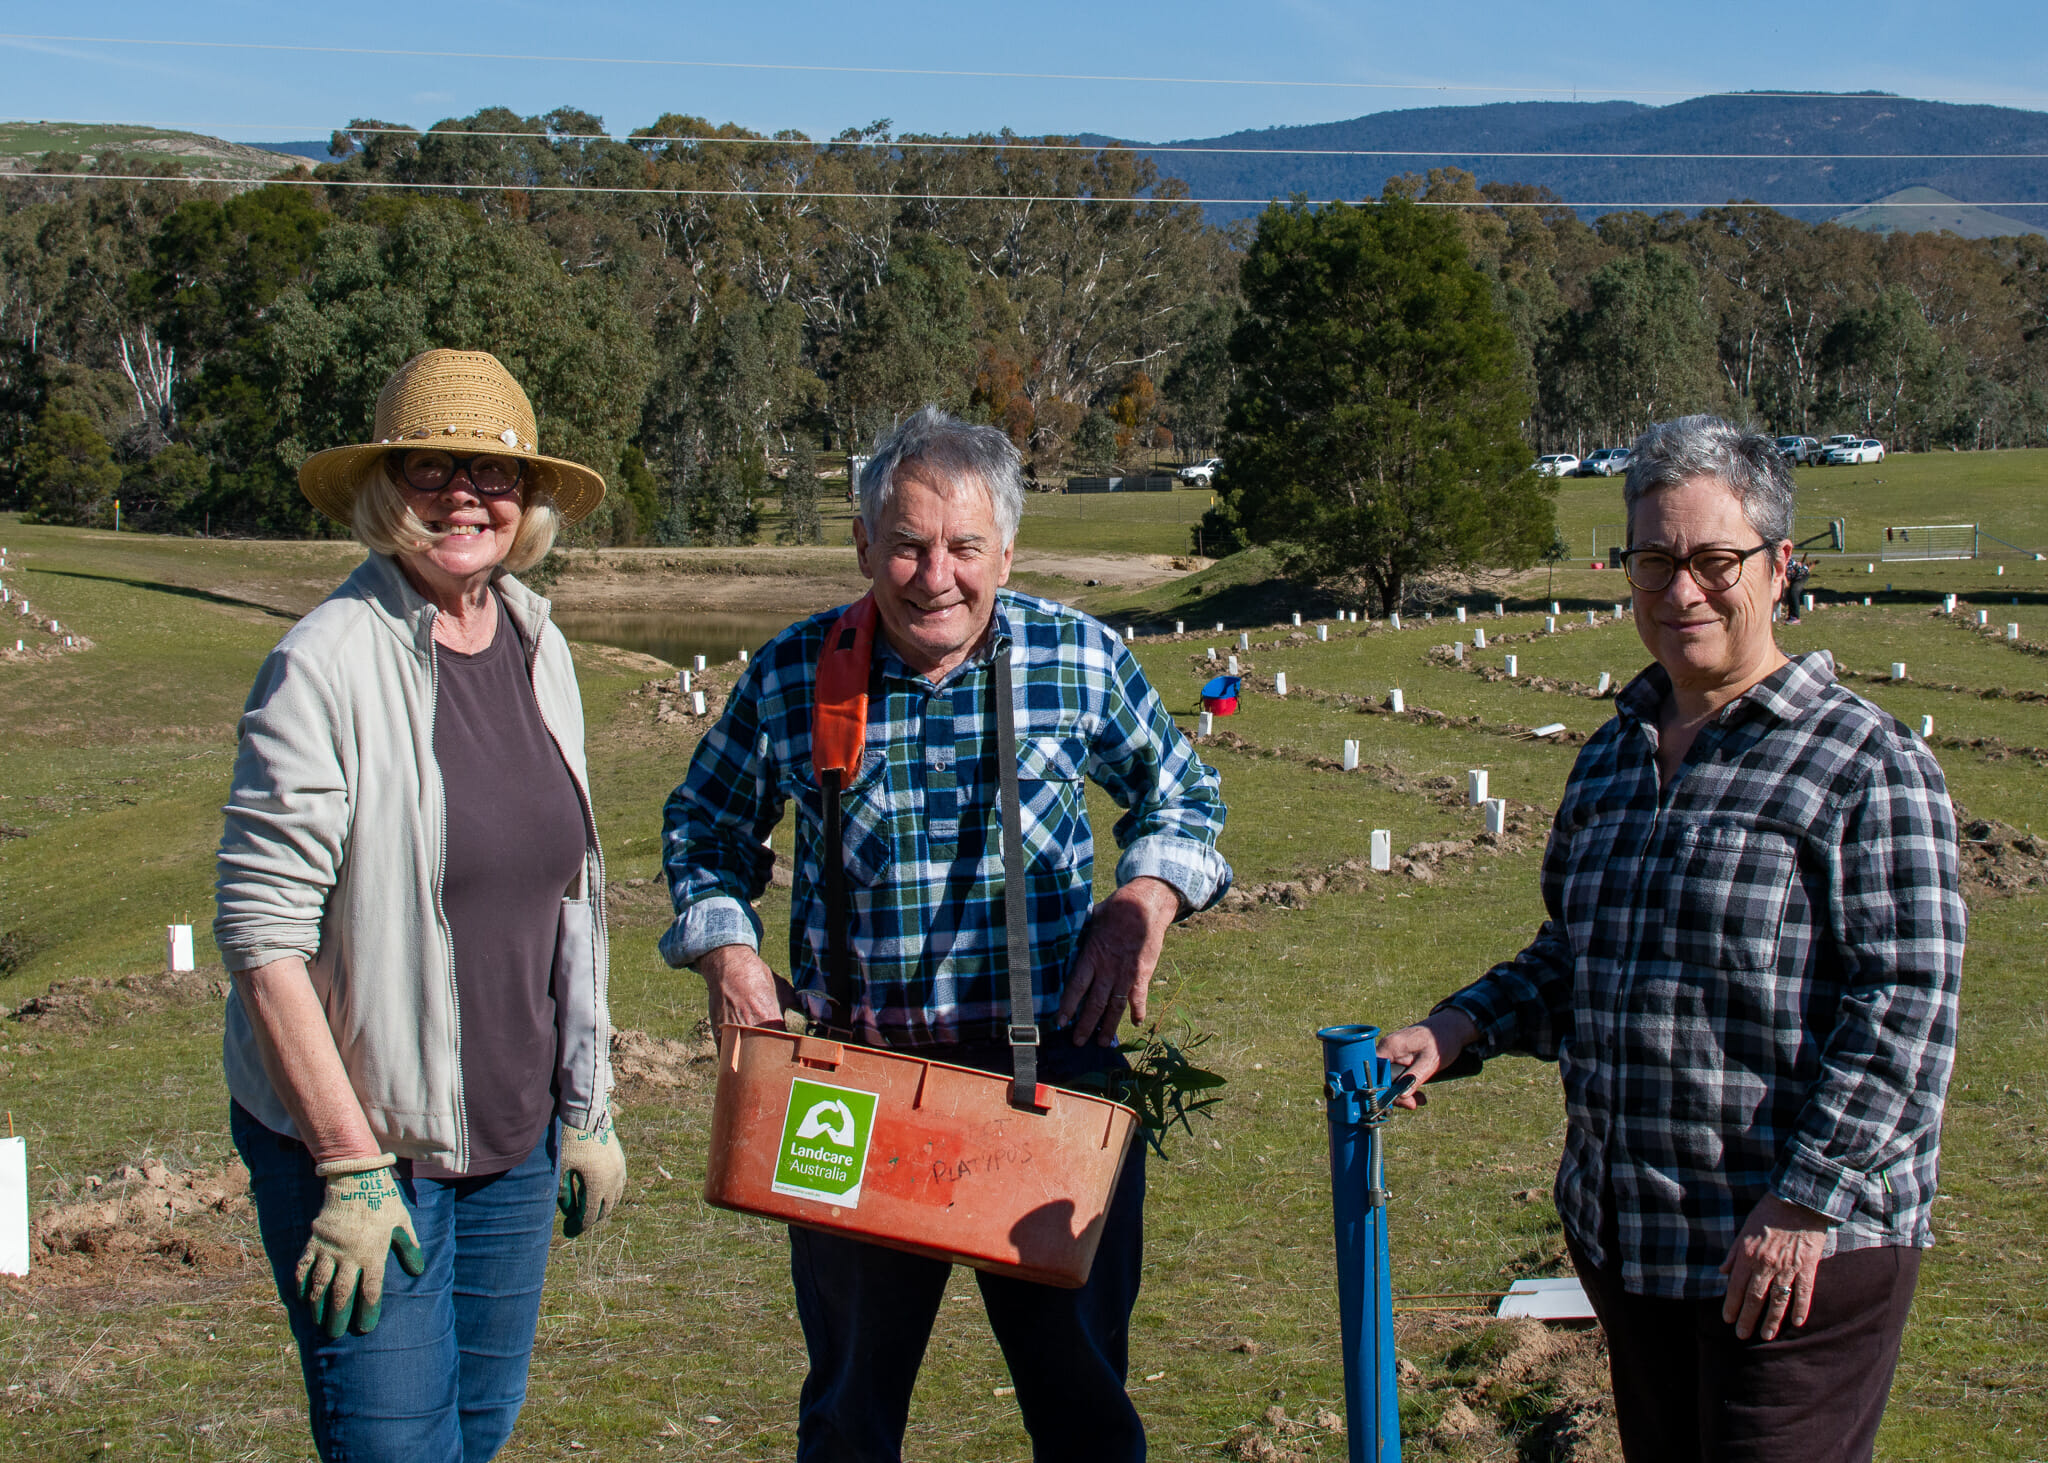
<point>384,522</point>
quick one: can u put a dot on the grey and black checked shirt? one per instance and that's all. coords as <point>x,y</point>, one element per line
<point>1748,979</point>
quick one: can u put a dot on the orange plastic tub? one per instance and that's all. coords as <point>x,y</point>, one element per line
<point>913,1154</point>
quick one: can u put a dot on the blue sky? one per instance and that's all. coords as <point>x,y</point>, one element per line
<point>1364,57</point>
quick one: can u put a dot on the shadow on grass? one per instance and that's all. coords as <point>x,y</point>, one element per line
<point>184,590</point>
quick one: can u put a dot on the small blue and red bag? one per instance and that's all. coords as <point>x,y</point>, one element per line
<point>1219,695</point>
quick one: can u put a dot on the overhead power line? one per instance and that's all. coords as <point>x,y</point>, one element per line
<point>963,74</point>
<point>828,194</point>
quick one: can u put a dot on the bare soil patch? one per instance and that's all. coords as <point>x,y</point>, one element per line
<point>84,1003</point>
<point>1502,1388</point>
<point>1998,858</point>
<point>147,1223</point>
<point>795,581</point>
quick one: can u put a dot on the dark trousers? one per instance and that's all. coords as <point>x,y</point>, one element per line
<point>1685,1387</point>
<point>867,1315</point>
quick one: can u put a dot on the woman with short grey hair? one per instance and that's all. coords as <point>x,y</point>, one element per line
<point>1748,981</point>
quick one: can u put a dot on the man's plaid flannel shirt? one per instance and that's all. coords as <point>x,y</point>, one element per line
<point>922,821</point>
<point>1748,979</point>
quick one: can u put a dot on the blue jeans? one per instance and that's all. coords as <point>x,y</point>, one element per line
<point>867,1315</point>
<point>442,1377</point>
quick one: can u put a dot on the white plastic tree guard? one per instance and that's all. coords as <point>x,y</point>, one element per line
<point>1512,667</point>
<point>1475,785</point>
<point>697,665</point>
<point>1350,756</point>
<point>1898,670</point>
<point>1606,684</point>
<point>1461,614</point>
<point>696,703</point>
<point>1322,632</point>
<point>1382,850</point>
<point>1280,683</point>
<point>1232,666</point>
<point>1926,726</point>
<point>1479,638</point>
<point>1496,816</point>
<point>1394,702</point>
<point>177,948</point>
<point>1205,725</point>
<point>1394,620</point>
<point>1550,624</point>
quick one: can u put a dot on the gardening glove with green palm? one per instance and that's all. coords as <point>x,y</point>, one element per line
<point>362,1220</point>
<point>593,1175</point>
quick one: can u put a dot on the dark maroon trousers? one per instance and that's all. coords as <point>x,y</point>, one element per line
<point>1685,1387</point>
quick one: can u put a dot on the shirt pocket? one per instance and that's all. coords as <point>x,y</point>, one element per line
<point>1052,795</point>
<point>1725,899</point>
<point>866,822</point>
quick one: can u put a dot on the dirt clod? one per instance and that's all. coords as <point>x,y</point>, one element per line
<point>642,1063</point>
<point>148,1217</point>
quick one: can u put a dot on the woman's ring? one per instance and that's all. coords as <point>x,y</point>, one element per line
<point>1781,1287</point>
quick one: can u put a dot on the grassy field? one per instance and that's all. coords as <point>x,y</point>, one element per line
<point>670,1332</point>
<point>2005,492</point>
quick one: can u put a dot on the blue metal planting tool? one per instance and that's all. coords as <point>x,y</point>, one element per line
<point>1360,1088</point>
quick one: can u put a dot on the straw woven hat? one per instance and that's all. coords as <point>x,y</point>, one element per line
<point>463,402</point>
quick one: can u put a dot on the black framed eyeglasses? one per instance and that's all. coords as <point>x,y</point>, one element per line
<point>430,470</point>
<point>1652,570</point>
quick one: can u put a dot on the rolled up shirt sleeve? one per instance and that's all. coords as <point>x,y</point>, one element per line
<point>286,819</point>
<point>1173,801</point>
<point>713,832</point>
<point>1899,921</point>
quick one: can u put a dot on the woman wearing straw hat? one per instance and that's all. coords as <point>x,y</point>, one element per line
<point>411,902</point>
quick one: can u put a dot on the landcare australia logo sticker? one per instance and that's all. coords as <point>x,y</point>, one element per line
<point>825,1134</point>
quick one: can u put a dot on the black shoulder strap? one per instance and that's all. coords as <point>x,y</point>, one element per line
<point>1023,1021</point>
<point>838,918</point>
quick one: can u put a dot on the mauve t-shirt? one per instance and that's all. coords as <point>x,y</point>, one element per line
<point>515,845</point>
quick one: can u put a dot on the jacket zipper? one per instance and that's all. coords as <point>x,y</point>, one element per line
<point>461,1163</point>
<point>601,969</point>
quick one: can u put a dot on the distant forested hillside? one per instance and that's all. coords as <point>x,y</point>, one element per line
<point>1775,126</point>
<point>695,307</point>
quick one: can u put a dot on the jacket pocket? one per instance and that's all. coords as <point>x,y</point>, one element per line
<point>577,1029</point>
<point>1724,903</point>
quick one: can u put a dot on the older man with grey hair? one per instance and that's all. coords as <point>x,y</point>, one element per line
<point>1748,981</point>
<point>904,940</point>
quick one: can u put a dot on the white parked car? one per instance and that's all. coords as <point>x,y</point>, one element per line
<point>1855,450</point>
<point>1556,465</point>
<point>1607,462</point>
<point>1201,474</point>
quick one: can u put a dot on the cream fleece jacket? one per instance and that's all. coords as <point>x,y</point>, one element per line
<point>333,852</point>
